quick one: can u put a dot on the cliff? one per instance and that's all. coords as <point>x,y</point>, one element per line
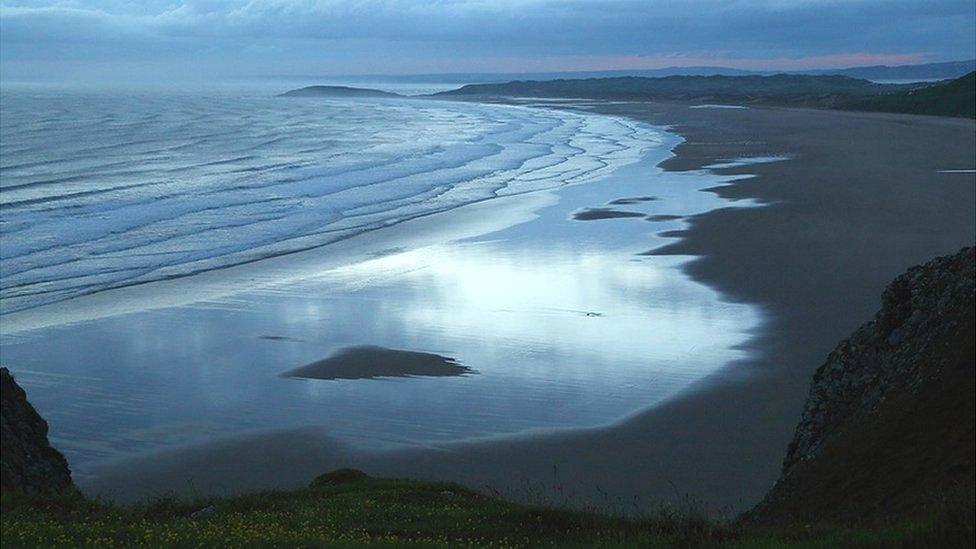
<point>28,463</point>
<point>888,427</point>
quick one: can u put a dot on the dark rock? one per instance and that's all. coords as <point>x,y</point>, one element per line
<point>889,418</point>
<point>28,463</point>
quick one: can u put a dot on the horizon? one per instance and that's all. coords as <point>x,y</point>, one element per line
<point>462,78</point>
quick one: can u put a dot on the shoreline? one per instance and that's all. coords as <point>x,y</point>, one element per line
<point>629,187</point>
<point>746,424</point>
<point>830,251</point>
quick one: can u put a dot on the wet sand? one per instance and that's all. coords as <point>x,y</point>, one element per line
<point>371,362</point>
<point>862,197</point>
<point>593,214</point>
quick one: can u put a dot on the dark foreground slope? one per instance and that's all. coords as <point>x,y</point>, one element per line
<point>953,98</point>
<point>28,463</point>
<point>888,428</point>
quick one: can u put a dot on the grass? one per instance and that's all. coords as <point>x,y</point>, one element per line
<point>352,512</point>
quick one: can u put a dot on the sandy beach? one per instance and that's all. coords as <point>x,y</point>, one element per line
<point>860,198</point>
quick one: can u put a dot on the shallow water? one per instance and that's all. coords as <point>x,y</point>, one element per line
<point>106,190</point>
<point>563,322</point>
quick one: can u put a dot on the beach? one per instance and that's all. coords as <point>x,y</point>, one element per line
<point>532,311</point>
<point>860,199</point>
<point>851,200</point>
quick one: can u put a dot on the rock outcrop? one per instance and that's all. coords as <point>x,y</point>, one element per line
<point>889,422</point>
<point>28,463</point>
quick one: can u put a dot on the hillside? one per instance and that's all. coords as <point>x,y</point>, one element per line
<point>780,89</point>
<point>888,428</point>
<point>939,71</point>
<point>28,465</point>
<point>953,98</point>
<point>337,91</point>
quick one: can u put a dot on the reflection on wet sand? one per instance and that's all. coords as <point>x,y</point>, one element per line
<point>565,325</point>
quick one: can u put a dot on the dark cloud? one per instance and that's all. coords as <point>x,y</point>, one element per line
<point>380,36</point>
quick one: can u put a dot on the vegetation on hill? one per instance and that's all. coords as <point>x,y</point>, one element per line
<point>953,98</point>
<point>353,511</point>
<point>781,89</point>
<point>940,71</point>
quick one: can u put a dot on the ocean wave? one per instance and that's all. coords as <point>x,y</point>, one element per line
<point>115,190</point>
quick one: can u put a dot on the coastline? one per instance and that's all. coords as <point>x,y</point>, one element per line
<point>815,258</point>
<point>747,418</point>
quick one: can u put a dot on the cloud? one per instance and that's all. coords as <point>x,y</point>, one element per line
<point>376,35</point>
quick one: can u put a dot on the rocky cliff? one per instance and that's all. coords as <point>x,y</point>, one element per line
<point>28,463</point>
<point>888,427</point>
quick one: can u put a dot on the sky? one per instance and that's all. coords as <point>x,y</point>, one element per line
<point>207,39</point>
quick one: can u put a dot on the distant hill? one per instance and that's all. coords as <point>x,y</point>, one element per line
<point>495,78</point>
<point>927,71</point>
<point>953,98</point>
<point>950,98</point>
<point>337,91</point>
<point>780,89</point>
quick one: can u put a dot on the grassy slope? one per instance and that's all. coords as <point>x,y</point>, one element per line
<point>954,98</point>
<point>405,513</point>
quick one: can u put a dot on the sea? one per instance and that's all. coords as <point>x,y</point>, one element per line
<point>167,254</point>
